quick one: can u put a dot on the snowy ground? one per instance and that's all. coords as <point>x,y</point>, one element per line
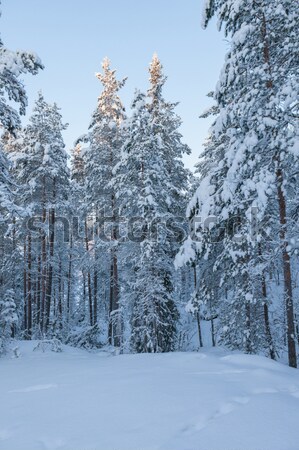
<point>212,400</point>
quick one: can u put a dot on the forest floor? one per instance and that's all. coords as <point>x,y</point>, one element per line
<point>211,400</point>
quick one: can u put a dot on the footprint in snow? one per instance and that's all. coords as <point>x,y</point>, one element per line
<point>265,391</point>
<point>37,387</point>
<point>51,444</point>
<point>4,434</point>
<point>224,408</point>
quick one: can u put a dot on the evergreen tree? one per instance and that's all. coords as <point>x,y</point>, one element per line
<point>8,318</point>
<point>43,177</point>
<point>152,183</point>
<point>105,139</point>
<point>253,146</point>
<point>12,66</point>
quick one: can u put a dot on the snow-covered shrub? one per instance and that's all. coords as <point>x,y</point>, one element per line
<point>87,337</point>
<point>8,317</point>
<point>53,345</point>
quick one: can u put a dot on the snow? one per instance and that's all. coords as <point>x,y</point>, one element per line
<point>212,399</point>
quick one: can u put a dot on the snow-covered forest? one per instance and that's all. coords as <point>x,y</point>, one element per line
<point>114,247</point>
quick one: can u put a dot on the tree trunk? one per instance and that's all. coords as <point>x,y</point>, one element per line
<point>95,276</point>
<point>29,288</point>
<point>69,279</point>
<point>38,292</point>
<point>88,278</point>
<point>198,312</point>
<point>95,296</point>
<point>283,227</point>
<point>267,320</point>
<point>43,262</point>
<point>114,313</point>
<point>288,292</point>
<point>50,270</point>
<point>25,286</point>
<point>199,329</point>
<point>115,303</point>
<point>110,328</point>
<point>266,312</point>
<point>60,295</point>
<point>213,333</point>
<point>248,337</point>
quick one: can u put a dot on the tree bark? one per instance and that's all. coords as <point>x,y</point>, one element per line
<point>198,312</point>
<point>38,292</point>
<point>43,263</point>
<point>114,314</point>
<point>29,289</point>
<point>283,227</point>
<point>50,270</point>
<point>25,286</point>
<point>213,333</point>
<point>88,278</point>
<point>95,296</point>
<point>288,291</point>
<point>266,311</point>
<point>69,278</point>
<point>248,336</point>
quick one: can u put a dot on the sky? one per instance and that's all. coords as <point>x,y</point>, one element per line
<point>72,37</point>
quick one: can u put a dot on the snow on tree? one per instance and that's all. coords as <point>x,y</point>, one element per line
<point>43,177</point>
<point>8,318</point>
<point>253,148</point>
<point>105,139</point>
<point>152,183</point>
<point>12,65</point>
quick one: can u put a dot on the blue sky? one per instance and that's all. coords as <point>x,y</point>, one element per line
<point>73,36</point>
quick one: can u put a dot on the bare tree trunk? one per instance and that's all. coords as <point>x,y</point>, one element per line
<point>248,337</point>
<point>114,313</point>
<point>50,270</point>
<point>213,333</point>
<point>266,319</point>
<point>25,286</point>
<point>60,294</point>
<point>288,291</point>
<point>84,292</point>
<point>198,312</point>
<point>69,280</point>
<point>95,276</point>
<point>110,329</point>
<point>43,262</point>
<point>88,278</point>
<point>38,292</point>
<point>95,296</point>
<point>283,228</point>
<point>266,311</point>
<point>199,329</point>
<point>115,303</point>
<point>29,295</point>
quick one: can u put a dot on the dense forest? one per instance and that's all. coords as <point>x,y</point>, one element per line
<point>97,248</point>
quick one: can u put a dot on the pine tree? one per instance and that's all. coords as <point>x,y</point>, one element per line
<point>8,318</point>
<point>78,266</point>
<point>43,177</point>
<point>105,139</point>
<point>152,182</point>
<point>253,144</point>
<point>12,66</point>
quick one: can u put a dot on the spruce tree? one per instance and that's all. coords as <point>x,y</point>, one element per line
<point>253,141</point>
<point>105,139</point>
<point>12,65</point>
<point>152,182</point>
<point>43,177</point>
